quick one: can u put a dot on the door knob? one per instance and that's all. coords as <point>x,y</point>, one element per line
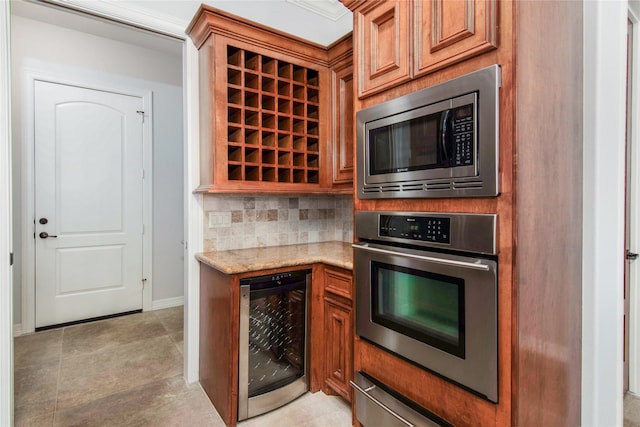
<point>44,235</point>
<point>631,255</point>
<point>43,221</point>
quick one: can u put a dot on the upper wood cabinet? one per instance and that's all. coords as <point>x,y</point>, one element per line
<point>447,32</point>
<point>265,109</point>
<point>341,63</point>
<point>398,40</point>
<point>383,48</point>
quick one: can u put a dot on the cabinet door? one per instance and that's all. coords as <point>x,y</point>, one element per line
<point>338,347</point>
<point>446,32</point>
<point>382,45</point>
<point>343,125</point>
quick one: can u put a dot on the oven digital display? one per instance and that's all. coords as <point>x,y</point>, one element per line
<point>428,228</point>
<point>426,306</point>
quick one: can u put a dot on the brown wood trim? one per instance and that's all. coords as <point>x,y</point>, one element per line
<point>339,282</point>
<point>485,33</point>
<point>547,371</point>
<point>316,338</point>
<point>341,50</point>
<point>441,397</point>
<point>352,5</point>
<point>219,314</point>
<point>373,77</point>
<point>209,20</point>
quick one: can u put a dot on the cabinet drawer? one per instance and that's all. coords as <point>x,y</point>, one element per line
<point>338,282</point>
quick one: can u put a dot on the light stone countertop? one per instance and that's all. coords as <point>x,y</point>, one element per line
<point>337,254</point>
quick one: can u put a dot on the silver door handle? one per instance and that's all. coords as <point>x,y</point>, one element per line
<point>443,261</point>
<point>380,404</point>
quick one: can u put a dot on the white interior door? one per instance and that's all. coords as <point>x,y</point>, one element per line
<point>630,255</point>
<point>88,201</point>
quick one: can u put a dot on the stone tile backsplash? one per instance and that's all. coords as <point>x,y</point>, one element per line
<point>239,222</point>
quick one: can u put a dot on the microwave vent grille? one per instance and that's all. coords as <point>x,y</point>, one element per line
<point>467,184</point>
<point>413,187</point>
<point>436,189</point>
<point>371,189</point>
<point>392,188</point>
<point>437,185</point>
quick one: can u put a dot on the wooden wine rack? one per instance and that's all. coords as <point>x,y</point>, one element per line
<point>272,119</point>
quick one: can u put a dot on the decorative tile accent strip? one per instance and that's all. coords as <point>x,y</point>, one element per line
<point>269,220</point>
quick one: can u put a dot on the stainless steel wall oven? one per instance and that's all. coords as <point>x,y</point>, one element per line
<point>426,290</point>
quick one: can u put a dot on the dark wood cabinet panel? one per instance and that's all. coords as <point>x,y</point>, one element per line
<point>219,314</point>
<point>383,51</point>
<point>343,133</point>
<point>338,331</point>
<point>338,346</point>
<point>343,152</point>
<point>547,370</point>
<point>447,32</point>
<point>400,40</point>
<point>338,282</point>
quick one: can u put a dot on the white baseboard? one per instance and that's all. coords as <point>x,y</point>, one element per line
<point>17,330</point>
<point>167,303</point>
<point>155,305</point>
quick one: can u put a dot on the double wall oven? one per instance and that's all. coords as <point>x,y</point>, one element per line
<point>426,290</point>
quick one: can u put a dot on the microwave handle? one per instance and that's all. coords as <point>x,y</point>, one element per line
<point>442,261</point>
<point>445,135</point>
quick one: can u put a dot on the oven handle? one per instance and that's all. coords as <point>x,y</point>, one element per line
<point>379,403</point>
<point>443,261</point>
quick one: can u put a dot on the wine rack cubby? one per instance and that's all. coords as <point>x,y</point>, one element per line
<point>273,119</point>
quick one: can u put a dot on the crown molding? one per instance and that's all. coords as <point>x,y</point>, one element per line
<point>125,13</point>
<point>330,9</point>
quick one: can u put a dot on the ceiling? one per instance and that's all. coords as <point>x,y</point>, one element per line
<point>319,21</point>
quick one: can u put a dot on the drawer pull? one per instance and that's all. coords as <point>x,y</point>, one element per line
<point>380,404</point>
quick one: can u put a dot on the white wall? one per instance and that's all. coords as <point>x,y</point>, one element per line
<point>6,332</point>
<point>332,20</point>
<point>603,211</point>
<point>48,49</point>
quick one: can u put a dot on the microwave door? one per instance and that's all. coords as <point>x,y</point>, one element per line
<point>400,147</point>
<point>381,150</point>
<point>410,145</point>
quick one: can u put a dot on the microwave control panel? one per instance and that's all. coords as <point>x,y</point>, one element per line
<point>423,228</point>
<point>463,132</point>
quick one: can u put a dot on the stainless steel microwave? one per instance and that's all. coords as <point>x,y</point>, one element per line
<point>441,141</point>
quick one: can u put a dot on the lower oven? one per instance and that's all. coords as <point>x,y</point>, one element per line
<point>426,290</point>
<point>272,367</point>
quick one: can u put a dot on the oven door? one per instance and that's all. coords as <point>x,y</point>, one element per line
<point>437,310</point>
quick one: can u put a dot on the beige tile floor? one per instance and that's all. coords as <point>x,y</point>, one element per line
<point>631,410</point>
<point>127,371</point>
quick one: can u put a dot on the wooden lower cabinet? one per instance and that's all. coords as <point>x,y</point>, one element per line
<point>338,332</point>
<point>219,314</point>
<point>338,326</point>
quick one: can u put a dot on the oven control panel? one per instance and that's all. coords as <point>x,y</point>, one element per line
<point>423,228</point>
